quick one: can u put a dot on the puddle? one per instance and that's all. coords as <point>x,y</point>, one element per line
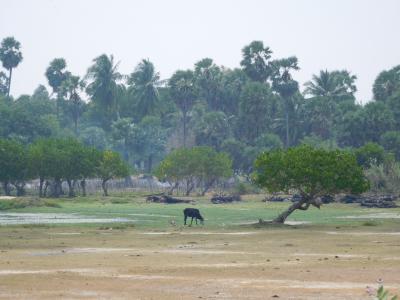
<point>153,215</point>
<point>373,216</point>
<point>53,218</point>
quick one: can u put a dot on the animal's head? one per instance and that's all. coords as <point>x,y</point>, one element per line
<point>201,219</point>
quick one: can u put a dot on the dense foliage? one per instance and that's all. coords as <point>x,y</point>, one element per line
<point>311,172</point>
<point>198,166</point>
<point>54,161</point>
<point>242,111</point>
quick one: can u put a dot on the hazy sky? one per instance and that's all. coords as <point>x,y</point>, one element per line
<point>361,36</point>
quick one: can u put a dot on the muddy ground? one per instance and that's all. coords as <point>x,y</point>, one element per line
<point>47,262</point>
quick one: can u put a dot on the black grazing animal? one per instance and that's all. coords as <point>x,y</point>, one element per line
<point>193,213</point>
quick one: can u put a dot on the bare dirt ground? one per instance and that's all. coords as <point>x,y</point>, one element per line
<point>195,263</point>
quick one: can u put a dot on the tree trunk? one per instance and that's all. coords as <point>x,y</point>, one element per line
<point>282,217</point>
<point>46,186</point>
<point>104,186</point>
<point>20,186</point>
<point>189,186</point>
<point>184,129</point>
<point>6,188</point>
<point>150,163</point>
<point>83,186</point>
<point>71,192</point>
<point>41,180</point>
<point>173,188</point>
<point>207,186</point>
<point>287,125</point>
<point>57,190</point>
<point>76,125</point>
<point>9,83</point>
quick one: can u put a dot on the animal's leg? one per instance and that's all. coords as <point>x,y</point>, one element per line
<point>191,222</point>
<point>196,221</point>
<point>185,220</point>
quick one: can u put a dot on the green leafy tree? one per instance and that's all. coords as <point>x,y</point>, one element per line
<point>212,129</point>
<point>386,84</point>
<point>94,137</point>
<point>370,154</point>
<point>268,142</point>
<point>208,80</point>
<point>311,172</point>
<point>231,87</point>
<point>391,142</point>
<point>236,150</point>
<point>184,93</point>
<point>41,161</point>
<point>144,82</point>
<point>3,83</point>
<point>111,166</point>
<point>124,132</point>
<point>366,124</point>
<point>195,165</point>
<point>150,141</point>
<point>10,56</point>
<point>13,166</point>
<point>256,61</point>
<point>212,166</point>
<point>256,111</point>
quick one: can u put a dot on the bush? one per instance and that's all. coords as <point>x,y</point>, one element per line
<point>27,202</point>
<point>244,188</point>
<point>384,178</point>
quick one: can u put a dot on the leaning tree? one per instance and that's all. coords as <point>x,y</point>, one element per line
<point>311,172</point>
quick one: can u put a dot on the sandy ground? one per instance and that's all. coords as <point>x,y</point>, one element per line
<point>195,263</point>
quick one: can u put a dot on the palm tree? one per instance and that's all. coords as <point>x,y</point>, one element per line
<point>70,89</point>
<point>283,83</point>
<point>255,61</point>
<point>327,90</point>
<point>184,93</point>
<point>333,84</point>
<point>103,88</point>
<point>56,75</point>
<point>10,56</point>
<point>144,82</point>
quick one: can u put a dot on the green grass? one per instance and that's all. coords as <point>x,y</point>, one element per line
<point>159,216</point>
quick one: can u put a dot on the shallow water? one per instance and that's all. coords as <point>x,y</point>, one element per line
<point>53,218</point>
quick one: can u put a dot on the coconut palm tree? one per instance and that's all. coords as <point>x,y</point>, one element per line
<point>335,84</point>
<point>104,76</point>
<point>144,82</point>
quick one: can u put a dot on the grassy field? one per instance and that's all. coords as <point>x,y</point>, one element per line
<point>331,253</point>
